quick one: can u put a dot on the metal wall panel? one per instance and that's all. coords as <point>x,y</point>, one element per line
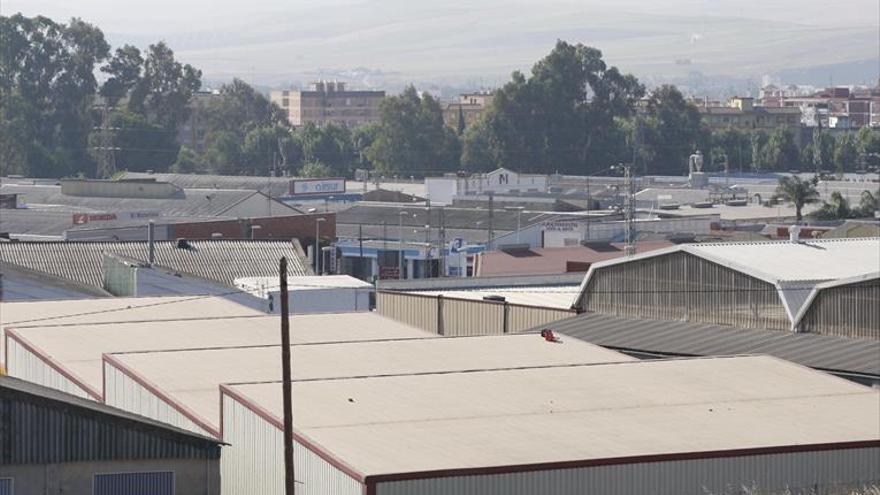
<point>122,391</point>
<point>36,430</point>
<point>6,486</point>
<point>851,311</point>
<point>464,317</point>
<point>680,286</point>
<point>814,473</point>
<point>254,461</point>
<point>22,363</point>
<point>417,311</point>
<point>159,483</point>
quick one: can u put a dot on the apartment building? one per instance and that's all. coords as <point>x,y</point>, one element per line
<point>329,102</point>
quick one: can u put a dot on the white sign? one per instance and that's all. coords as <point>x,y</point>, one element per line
<point>560,226</point>
<point>303,187</point>
<point>83,218</point>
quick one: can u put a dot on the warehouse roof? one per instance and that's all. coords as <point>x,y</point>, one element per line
<point>794,267</point>
<point>75,350</point>
<point>677,338</point>
<point>21,284</point>
<point>550,296</point>
<point>191,202</point>
<point>41,416</point>
<point>811,296</point>
<point>533,261</point>
<point>276,186</point>
<point>455,424</point>
<point>219,260</point>
<point>190,378</point>
<point>454,218</point>
<point>113,309</point>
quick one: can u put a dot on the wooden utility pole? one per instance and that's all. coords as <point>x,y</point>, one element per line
<point>289,480</point>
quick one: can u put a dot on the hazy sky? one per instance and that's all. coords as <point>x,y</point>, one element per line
<point>278,41</point>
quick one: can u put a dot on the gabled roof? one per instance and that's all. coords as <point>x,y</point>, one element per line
<point>275,186</point>
<point>11,387</point>
<point>194,202</point>
<point>21,284</point>
<point>662,338</point>
<point>811,296</point>
<point>219,260</point>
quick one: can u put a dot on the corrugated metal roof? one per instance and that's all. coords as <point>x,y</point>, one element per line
<point>482,419</point>
<point>218,260</point>
<point>454,218</point>
<point>276,186</point>
<point>555,260</point>
<point>42,426</point>
<point>193,203</point>
<point>463,283</point>
<point>676,338</point>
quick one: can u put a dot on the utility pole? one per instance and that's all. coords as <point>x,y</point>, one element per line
<point>491,221</point>
<point>286,385</point>
<point>630,210</point>
<point>106,151</point>
<point>442,241</point>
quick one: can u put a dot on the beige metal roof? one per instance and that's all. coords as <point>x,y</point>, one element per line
<point>79,348</point>
<point>828,259</point>
<point>435,422</point>
<point>118,309</point>
<point>192,377</point>
<point>551,297</point>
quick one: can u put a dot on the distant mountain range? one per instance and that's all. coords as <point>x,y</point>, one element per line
<point>477,43</point>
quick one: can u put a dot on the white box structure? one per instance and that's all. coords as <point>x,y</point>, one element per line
<point>311,294</point>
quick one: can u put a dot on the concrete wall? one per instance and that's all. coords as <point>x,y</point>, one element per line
<point>191,476</point>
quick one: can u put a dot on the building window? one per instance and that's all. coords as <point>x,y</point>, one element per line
<point>285,102</point>
<point>6,486</point>
<point>156,483</point>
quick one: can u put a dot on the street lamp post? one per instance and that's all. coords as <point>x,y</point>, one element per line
<point>519,210</point>
<point>400,216</point>
<point>318,244</point>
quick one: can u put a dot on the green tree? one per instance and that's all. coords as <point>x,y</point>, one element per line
<point>187,162</point>
<point>269,149</point>
<point>412,138</point>
<point>478,149</point>
<point>222,152</point>
<point>124,71</point>
<point>757,142</point>
<point>141,145</point>
<point>563,117</point>
<point>797,191</point>
<point>239,108</point>
<point>329,145</point>
<point>736,145</point>
<point>674,130</point>
<point>362,137</point>
<point>312,169</point>
<point>47,84</point>
<point>846,153</point>
<point>836,208</point>
<point>165,89</point>
<point>822,149</point>
<point>869,203</point>
<point>781,152</point>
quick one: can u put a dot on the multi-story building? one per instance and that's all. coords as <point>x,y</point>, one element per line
<point>741,112</point>
<point>838,107</point>
<point>329,102</point>
<point>468,107</point>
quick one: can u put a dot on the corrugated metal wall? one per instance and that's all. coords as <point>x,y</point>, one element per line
<point>463,317</point>
<point>157,483</point>
<point>121,391</point>
<point>414,310</point>
<point>254,463</point>
<point>41,431</point>
<point>22,363</point>
<point>814,473</point>
<point>846,311</point>
<point>680,286</point>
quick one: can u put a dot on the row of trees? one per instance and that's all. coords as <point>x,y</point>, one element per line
<point>801,192</point>
<point>571,114</point>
